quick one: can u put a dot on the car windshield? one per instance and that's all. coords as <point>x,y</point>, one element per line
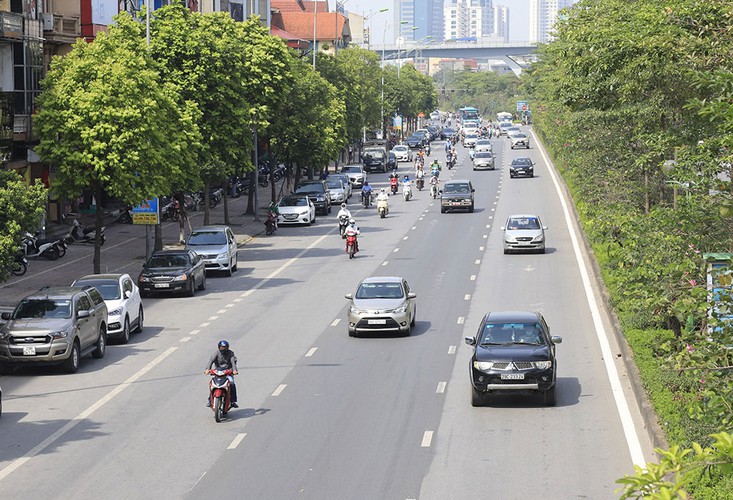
<point>334,184</point>
<point>351,170</point>
<point>521,162</point>
<point>471,136</point>
<point>207,238</point>
<point>374,151</point>
<point>483,154</point>
<point>448,130</point>
<point>110,289</point>
<point>43,308</point>
<point>399,149</point>
<point>168,261</point>
<point>520,136</point>
<point>310,188</point>
<point>483,142</point>
<point>380,291</point>
<point>523,223</point>
<point>456,188</point>
<point>295,201</point>
<point>511,333</point>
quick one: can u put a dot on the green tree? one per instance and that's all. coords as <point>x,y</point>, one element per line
<point>21,208</point>
<point>108,124</point>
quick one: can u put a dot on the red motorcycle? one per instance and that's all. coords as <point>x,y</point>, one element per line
<point>351,246</point>
<point>220,392</point>
<point>393,185</point>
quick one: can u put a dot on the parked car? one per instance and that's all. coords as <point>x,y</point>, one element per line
<point>346,181</point>
<point>483,160</point>
<point>483,145</point>
<point>521,166</point>
<point>296,209</point>
<point>317,191</point>
<point>124,308</point>
<point>519,140</point>
<point>55,326</point>
<point>217,245</point>
<point>337,190</point>
<point>402,152</point>
<point>382,304</point>
<point>173,271</point>
<point>356,173</point>
<point>524,233</point>
<point>457,195</point>
<point>513,352</point>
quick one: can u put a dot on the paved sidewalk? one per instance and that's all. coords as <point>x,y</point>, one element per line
<point>124,249</point>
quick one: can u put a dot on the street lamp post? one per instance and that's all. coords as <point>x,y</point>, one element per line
<point>365,19</point>
<point>401,39</point>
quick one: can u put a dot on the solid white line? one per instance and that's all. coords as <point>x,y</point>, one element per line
<point>184,339</point>
<point>632,438</point>
<point>204,325</point>
<point>427,438</point>
<point>395,250</point>
<point>311,352</point>
<point>335,322</point>
<point>452,349</point>
<point>194,332</point>
<point>83,415</point>
<point>236,441</point>
<point>280,389</point>
<point>467,296</point>
<point>473,277</point>
<point>460,321</point>
<point>441,388</point>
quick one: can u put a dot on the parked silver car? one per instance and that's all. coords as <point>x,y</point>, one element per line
<point>356,173</point>
<point>483,160</point>
<point>523,233</point>
<point>382,304</point>
<point>218,247</point>
<point>346,181</point>
<point>402,152</point>
<point>337,190</point>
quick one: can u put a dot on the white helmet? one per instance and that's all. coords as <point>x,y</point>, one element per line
<point>352,221</point>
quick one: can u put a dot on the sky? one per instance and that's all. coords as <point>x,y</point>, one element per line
<point>518,16</point>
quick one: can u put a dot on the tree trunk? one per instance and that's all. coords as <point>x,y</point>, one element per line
<point>98,229</point>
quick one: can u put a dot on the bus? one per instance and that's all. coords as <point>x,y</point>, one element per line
<point>504,117</point>
<point>468,113</point>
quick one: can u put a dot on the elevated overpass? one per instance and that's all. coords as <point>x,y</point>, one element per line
<point>505,51</point>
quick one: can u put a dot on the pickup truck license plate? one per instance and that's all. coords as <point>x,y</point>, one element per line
<point>512,376</point>
<point>29,350</point>
<point>377,321</point>
<point>161,285</point>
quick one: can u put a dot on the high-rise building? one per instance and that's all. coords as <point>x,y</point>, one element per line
<point>501,22</point>
<point>455,19</point>
<point>542,17</point>
<point>481,13</point>
<point>468,19</point>
<point>425,15</point>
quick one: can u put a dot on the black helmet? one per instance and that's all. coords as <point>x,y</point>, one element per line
<point>224,344</point>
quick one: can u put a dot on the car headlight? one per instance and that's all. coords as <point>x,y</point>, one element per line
<point>145,279</point>
<point>116,312</point>
<point>398,310</point>
<point>320,198</point>
<point>181,277</point>
<point>4,335</point>
<point>483,365</point>
<point>543,365</point>
<point>356,310</point>
<point>539,238</point>
<point>509,238</point>
<point>59,335</point>
<point>222,255</point>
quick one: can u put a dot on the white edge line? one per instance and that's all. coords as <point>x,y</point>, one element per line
<point>632,438</point>
<point>83,415</point>
<point>236,441</point>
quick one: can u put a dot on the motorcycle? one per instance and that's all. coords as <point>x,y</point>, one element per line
<point>420,183</point>
<point>382,208</point>
<point>393,185</point>
<point>407,192</point>
<point>343,223</point>
<point>125,216</point>
<point>366,198</point>
<point>215,197</point>
<point>351,245</point>
<point>33,247</point>
<point>169,209</point>
<point>20,265</point>
<point>220,392</point>
<point>434,190</point>
<point>270,223</point>
<point>86,235</point>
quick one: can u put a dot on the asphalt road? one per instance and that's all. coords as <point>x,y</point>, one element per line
<point>323,415</point>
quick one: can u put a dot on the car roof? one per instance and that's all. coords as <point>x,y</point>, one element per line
<point>210,228</point>
<point>523,216</point>
<point>458,181</point>
<point>170,252</point>
<point>382,279</point>
<point>512,316</point>
<point>95,277</point>
<point>55,291</point>
<point>522,159</point>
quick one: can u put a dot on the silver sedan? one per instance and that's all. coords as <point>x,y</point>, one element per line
<point>382,304</point>
<point>523,233</point>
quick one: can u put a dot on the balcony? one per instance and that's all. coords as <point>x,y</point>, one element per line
<point>11,26</point>
<point>60,29</point>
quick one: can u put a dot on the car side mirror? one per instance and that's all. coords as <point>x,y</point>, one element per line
<point>83,314</point>
<point>127,294</point>
<point>349,296</point>
<point>502,228</point>
<point>556,339</point>
<point>5,315</point>
<point>544,228</point>
<point>411,295</point>
<point>473,190</point>
<point>470,341</point>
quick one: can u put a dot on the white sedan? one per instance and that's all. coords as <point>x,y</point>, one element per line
<point>402,152</point>
<point>296,209</point>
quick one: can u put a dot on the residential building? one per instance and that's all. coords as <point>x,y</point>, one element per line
<point>543,14</point>
<point>456,19</point>
<point>311,21</point>
<point>501,22</point>
<point>425,15</point>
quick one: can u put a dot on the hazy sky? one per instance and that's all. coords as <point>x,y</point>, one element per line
<point>518,16</point>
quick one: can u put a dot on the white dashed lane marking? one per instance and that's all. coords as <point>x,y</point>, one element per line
<point>221,311</point>
<point>280,389</point>
<point>460,321</point>
<point>385,262</point>
<point>194,332</point>
<point>236,441</point>
<point>473,277</point>
<point>335,322</point>
<point>185,339</point>
<point>452,349</point>
<point>212,318</point>
<point>478,261</point>
<point>311,352</point>
<point>427,439</point>
<point>395,250</point>
<point>204,325</point>
<point>467,296</point>
<point>441,388</point>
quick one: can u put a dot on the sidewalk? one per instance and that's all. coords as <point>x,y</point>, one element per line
<point>124,249</point>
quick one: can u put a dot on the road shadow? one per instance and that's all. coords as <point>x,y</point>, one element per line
<point>420,328</point>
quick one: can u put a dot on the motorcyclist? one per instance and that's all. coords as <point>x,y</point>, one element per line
<point>224,358</point>
<point>448,145</point>
<point>383,197</point>
<point>366,190</point>
<point>435,167</point>
<point>434,182</point>
<point>344,212</point>
<point>353,230</point>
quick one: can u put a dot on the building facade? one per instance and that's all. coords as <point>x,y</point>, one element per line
<point>425,15</point>
<point>501,22</point>
<point>543,15</point>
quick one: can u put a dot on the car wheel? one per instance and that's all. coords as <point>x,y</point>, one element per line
<point>125,331</point>
<point>140,320</point>
<point>98,353</point>
<point>352,333</point>
<point>71,365</point>
<point>329,209</point>
<point>236,259</point>
<point>470,210</point>
<point>549,396</point>
<point>228,272</point>
<point>442,210</point>
<point>477,398</point>
<point>414,316</point>
<point>202,286</point>
<point>191,287</point>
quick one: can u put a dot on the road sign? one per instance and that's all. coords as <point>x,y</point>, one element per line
<point>146,212</point>
<point>522,106</point>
